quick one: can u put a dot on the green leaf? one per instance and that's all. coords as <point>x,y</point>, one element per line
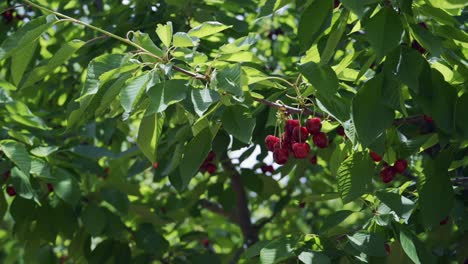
<point>442,103</point>
<point>334,219</point>
<point>355,176</point>
<point>315,19</point>
<point>3,205</point>
<point>150,241</point>
<point>149,133</point>
<point>336,106</point>
<point>401,205</point>
<point>145,41</point>
<point>182,39</point>
<point>411,68</point>
<point>165,33</point>
<point>66,186</point>
<point>408,245</point>
<point>21,183</point>
<point>427,40</point>
<point>371,244</point>
<point>254,250</point>
<point>240,44</point>
<point>117,199</point>
<point>207,28</point>
<point>133,90</point>
<point>322,78</point>
<point>359,7</point>
<point>195,153</point>
<point>21,113</point>
<point>436,180</point>
<point>65,52</point>
<point>335,36</point>
<point>236,123</point>
<point>271,6</point>
<point>94,219</point>
<point>308,257</point>
<point>17,153</point>
<point>277,250</point>
<point>370,115</point>
<point>26,35</point>
<point>165,94</point>
<point>202,99</point>
<point>384,31</point>
<point>461,119</point>
<point>21,60</point>
<point>229,79</point>
<point>44,151</point>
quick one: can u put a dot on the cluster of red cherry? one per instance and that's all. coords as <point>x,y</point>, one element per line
<point>294,140</point>
<point>208,165</point>
<point>388,173</point>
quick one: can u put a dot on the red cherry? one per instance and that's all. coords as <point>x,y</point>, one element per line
<point>107,170</point>
<point>336,3</point>
<point>270,142</point>
<point>320,140</point>
<point>444,221</point>
<point>422,24</point>
<point>314,125</point>
<point>206,242</point>
<point>280,155</point>
<point>376,157</point>
<point>387,249</point>
<point>287,141</point>
<point>290,125</point>
<point>415,45</point>
<point>428,119</point>
<point>302,204</point>
<point>300,134</point>
<point>211,168</point>
<point>400,165</point>
<point>10,190</point>
<point>301,150</point>
<point>313,159</point>
<point>340,131</point>
<point>387,174</point>
<point>155,165</point>
<point>211,156</point>
<point>267,168</point>
<point>50,187</point>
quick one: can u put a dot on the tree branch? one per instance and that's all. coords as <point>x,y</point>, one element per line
<point>243,213</point>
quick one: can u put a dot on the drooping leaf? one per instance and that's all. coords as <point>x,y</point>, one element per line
<point>145,41</point>
<point>384,31</point>
<point>94,219</point>
<point>149,133</point>
<point>66,186</point>
<point>236,123</point>
<point>322,78</point>
<point>315,19</point>
<point>149,240</point>
<point>133,90</point>
<point>21,183</point>
<point>17,153</point>
<point>369,243</point>
<point>308,257</point>
<point>202,99</point>
<point>277,250</point>
<point>369,114</point>
<point>401,205</point>
<point>229,79</point>
<point>166,93</point>
<point>354,176</point>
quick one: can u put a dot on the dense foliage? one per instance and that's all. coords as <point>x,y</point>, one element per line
<point>254,131</point>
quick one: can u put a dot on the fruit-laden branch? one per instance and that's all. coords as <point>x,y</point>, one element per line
<point>308,111</point>
<point>243,213</point>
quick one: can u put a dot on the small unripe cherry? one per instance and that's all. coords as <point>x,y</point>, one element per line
<point>155,165</point>
<point>400,165</point>
<point>50,187</point>
<point>376,157</point>
<point>301,150</point>
<point>314,125</point>
<point>300,134</point>
<point>340,131</point>
<point>320,140</point>
<point>267,168</point>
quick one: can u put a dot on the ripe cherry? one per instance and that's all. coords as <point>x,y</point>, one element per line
<point>428,119</point>
<point>302,204</point>
<point>320,140</point>
<point>155,165</point>
<point>280,155</point>
<point>336,3</point>
<point>210,168</point>
<point>387,249</point>
<point>50,187</point>
<point>270,142</point>
<point>313,159</point>
<point>211,156</point>
<point>301,150</point>
<point>340,131</point>
<point>444,221</point>
<point>290,125</point>
<point>10,190</point>
<point>206,242</point>
<point>267,168</point>
<point>300,134</point>
<point>387,174</point>
<point>376,157</point>
<point>314,125</point>
<point>400,165</point>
